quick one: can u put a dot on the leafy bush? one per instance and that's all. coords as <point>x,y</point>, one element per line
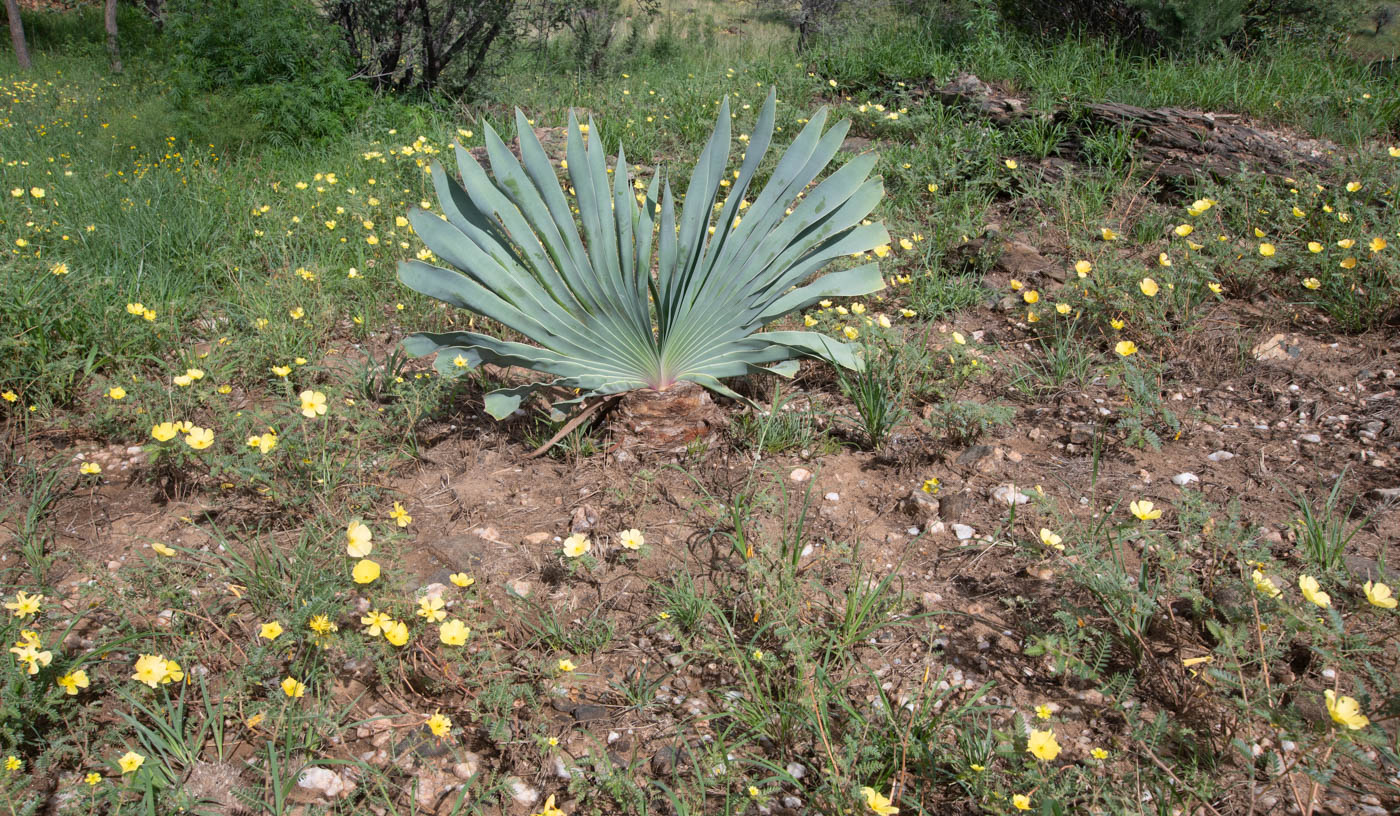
<point>405,44</point>
<point>273,64</point>
<point>808,17</point>
<point>963,422</point>
<point>80,30</point>
<point>1189,25</point>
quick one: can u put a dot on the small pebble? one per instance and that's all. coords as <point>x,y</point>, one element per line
<point>1008,494</point>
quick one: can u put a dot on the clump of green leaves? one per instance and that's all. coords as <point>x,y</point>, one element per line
<point>599,320</point>
<point>966,421</point>
<point>877,392</point>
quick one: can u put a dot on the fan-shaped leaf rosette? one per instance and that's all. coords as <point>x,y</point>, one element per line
<point>625,294</point>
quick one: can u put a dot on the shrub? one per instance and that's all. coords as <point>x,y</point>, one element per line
<point>423,46</point>
<point>1187,25</point>
<point>964,422</point>
<point>274,65</point>
<point>808,17</point>
<point>81,31</point>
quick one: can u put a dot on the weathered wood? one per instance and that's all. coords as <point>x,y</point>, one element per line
<point>109,21</point>
<point>650,423</point>
<point>17,34</point>
<point>1171,141</point>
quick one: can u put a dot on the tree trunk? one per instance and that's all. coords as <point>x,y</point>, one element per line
<point>114,51</point>
<point>649,423</point>
<point>17,34</point>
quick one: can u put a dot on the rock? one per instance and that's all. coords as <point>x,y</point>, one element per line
<point>1363,569</point>
<point>522,793</point>
<point>561,770</point>
<point>1008,494</point>
<point>1080,433</point>
<point>832,497</point>
<point>431,785</point>
<point>215,782</point>
<point>963,532</point>
<point>800,474</point>
<point>1384,494</point>
<point>954,506</point>
<point>663,762</point>
<point>322,781</point>
<point>588,712</point>
<point>1311,437</point>
<point>469,766</point>
<point>796,771</point>
<point>1016,259</point>
<point>855,144</point>
<point>1277,349</point>
<point>1220,456</point>
<point>461,553</point>
<point>922,506</point>
<point>973,455</point>
<point>1184,479</point>
<point>585,518</point>
<point>520,587</point>
<point>422,744</point>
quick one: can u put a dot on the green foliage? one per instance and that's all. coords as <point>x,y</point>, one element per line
<point>584,635</point>
<point>877,391</point>
<point>1282,77</point>
<point>1192,24</point>
<point>964,421</point>
<point>271,64</point>
<point>579,443</point>
<point>594,24</point>
<point>1146,416</point>
<point>603,322</point>
<point>31,490</point>
<point>40,334</point>
<point>1323,530</point>
<point>783,426</point>
<point>1183,25</point>
<point>80,30</point>
<point>433,45</point>
<point>772,612</point>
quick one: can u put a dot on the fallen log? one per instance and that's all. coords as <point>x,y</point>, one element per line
<point>1173,142</point>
